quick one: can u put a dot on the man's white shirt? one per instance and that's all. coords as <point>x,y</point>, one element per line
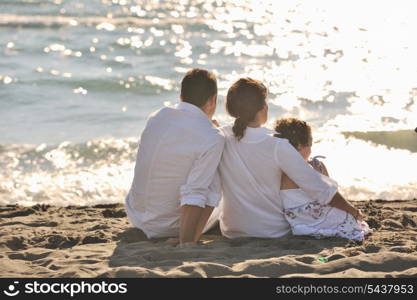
<point>179,152</point>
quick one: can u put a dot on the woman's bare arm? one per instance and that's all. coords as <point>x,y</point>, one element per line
<point>287,183</point>
<point>339,202</point>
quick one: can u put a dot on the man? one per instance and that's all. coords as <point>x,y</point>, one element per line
<point>174,188</point>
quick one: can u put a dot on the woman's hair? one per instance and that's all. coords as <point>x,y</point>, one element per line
<point>296,131</point>
<point>245,98</point>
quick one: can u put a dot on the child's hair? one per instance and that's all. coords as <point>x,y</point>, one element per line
<point>297,132</point>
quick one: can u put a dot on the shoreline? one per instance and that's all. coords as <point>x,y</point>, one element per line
<point>99,241</point>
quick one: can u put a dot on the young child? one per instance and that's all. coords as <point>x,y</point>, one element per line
<point>308,217</point>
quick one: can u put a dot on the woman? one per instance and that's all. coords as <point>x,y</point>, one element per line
<point>252,165</point>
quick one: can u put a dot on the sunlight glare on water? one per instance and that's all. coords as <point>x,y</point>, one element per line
<point>90,72</point>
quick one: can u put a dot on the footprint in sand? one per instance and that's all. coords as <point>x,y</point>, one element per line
<point>401,249</point>
<point>335,257</point>
<point>108,213</point>
<point>16,243</point>
<point>392,224</point>
<point>33,224</point>
<point>98,227</point>
<point>18,213</point>
<point>408,220</point>
<point>29,255</point>
<point>94,240</point>
<point>55,241</point>
<point>371,249</point>
<point>305,259</point>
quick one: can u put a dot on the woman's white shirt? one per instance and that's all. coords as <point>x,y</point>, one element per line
<point>250,172</point>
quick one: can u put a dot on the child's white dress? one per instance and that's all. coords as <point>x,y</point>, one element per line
<point>307,217</point>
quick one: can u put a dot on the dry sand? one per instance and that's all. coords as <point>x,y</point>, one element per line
<point>48,241</point>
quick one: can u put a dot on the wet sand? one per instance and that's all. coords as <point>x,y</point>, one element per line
<point>98,241</point>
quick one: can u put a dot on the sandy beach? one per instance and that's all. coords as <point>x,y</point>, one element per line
<point>98,241</point>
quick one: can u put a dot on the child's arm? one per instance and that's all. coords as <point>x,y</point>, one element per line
<point>319,166</point>
<point>323,169</point>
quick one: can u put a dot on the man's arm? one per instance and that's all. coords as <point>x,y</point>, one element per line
<point>213,199</point>
<point>205,215</point>
<point>190,215</point>
<point>195,193</point>
<point>190,219</point>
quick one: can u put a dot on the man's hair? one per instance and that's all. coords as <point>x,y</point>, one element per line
<point>197,86</point>
<point>296,131</point>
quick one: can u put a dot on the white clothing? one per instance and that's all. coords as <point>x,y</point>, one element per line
<point>250,171</point>
<point>177,158</point>
<point>307,217</point>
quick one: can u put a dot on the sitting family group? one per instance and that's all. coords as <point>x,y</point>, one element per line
<point>257,182</point>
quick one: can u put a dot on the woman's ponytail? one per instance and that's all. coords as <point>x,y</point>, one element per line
<point>245,98</point>
<point>239,128</point>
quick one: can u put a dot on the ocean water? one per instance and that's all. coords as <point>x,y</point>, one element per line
<point>79,78</point>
